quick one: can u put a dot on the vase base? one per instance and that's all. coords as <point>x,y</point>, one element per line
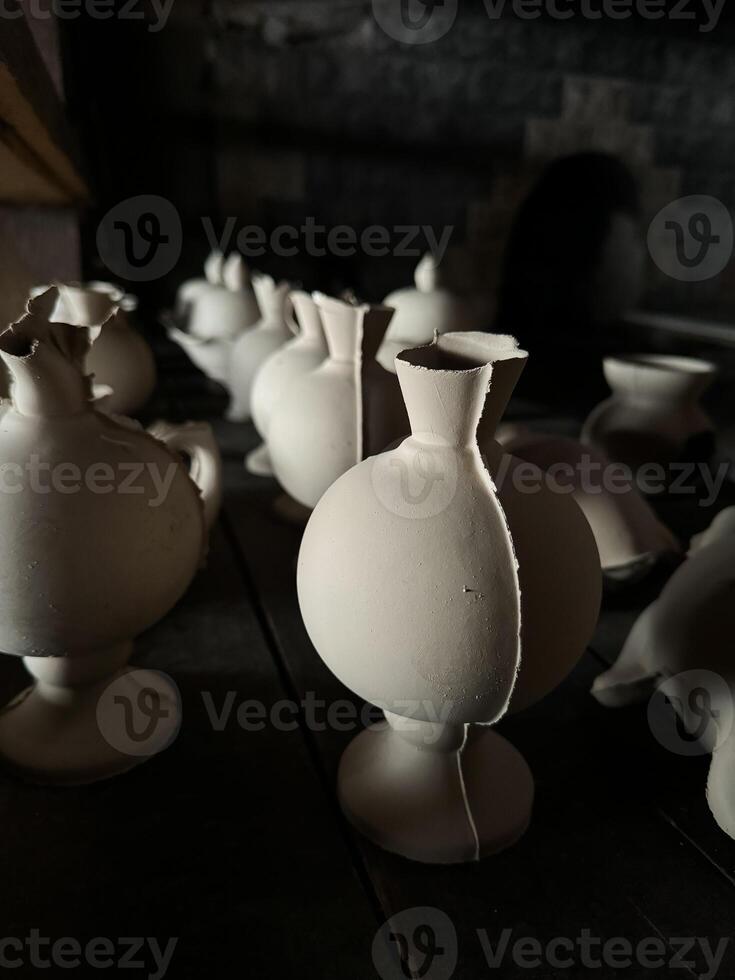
<point>291,511</point>
<point>55,736</point>
<point>258,462</point>
<point>434,807</point>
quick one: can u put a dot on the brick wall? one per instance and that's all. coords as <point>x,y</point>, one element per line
<point>270,111</point>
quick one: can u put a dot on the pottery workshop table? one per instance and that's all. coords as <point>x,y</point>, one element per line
<point>232,842</point>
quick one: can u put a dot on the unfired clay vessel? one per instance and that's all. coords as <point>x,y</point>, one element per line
<point>254,347</point>
<point>94,559</point>
<point>304,353</point>
<point>654,414</point>
<point>119,358</point>
<point>683,641</point>
<point>422,312</point>
<point>446,603</point>
<point>346,409</point>
<point>212,314</point>
<point>189,291</point>
<point>629,536</point>
<point>228,309</point>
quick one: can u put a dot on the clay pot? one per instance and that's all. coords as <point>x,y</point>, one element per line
<point>346,409</point>
<point>254,348</point>
<point>225,309</point>
<point>422,312</point>
<point>446,603</point>
<point>106,529</point>
<point>630,538</point>
<point>654,414</point>
<point>189,291</point>
<point>304,353</point>
<point>680,648</point>
<point>120,360</point>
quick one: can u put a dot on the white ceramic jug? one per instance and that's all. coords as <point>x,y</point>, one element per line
<point>304,353</point>
<point>339,413</point>
<point>680,648</point>
<point>119,358</point>
<point>654,411</point>
<point>445,602</point>
<point>629,536</point>
<point>254,348</point>
<point>103,530</point>
<point>422,312</point>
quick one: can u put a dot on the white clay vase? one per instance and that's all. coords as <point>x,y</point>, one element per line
<point>346,409</point>
<point>253,348</point>
<point>630,538</point>
<point>99,548</point>
<point>304,353</point>
<point>227,310</point>
<point>119,359</point>
<point>654,414</point>
<point>190,290</point>
<point>680,648</point>
<point>422,312</point>
<point>446,604</point>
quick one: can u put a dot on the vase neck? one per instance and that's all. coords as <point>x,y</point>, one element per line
<point>308,319</point>
<point>45,359</point>
<point>458,383</point>
<point>354,333</point>
<point>272,298</point>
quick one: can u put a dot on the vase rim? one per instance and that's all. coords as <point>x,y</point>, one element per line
<point>475,348</point>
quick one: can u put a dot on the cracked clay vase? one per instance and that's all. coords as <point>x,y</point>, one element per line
<point>340,413</point>
<point>679,652</point>
<point>654,415</point>
<point>446,603</point>
<point>422,312</point>
<point>103,530</point>
<point>254,347</point>
<point>215,313</point>
<point>120,359</point>
<point>629,536</point>
<point>304,353</point>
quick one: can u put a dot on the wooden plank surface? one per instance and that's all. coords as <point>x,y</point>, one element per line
<point>227,840</point>
<point>608,849</point>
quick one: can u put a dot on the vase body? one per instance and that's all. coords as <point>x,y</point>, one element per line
<point>681,643</point>
<point>428,591</point>
<point>334,416</point>
<point>120,359</point>
<point>190,290</point>
<point>227,308</point>
<point>297,357</point>
<point>254,347</point>
<point>629,536</point>
<point>104,524</point>
<point>421,312</point>
<point>654,415</point>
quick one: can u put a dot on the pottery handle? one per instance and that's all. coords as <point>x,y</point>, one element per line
<point>196,440</point>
